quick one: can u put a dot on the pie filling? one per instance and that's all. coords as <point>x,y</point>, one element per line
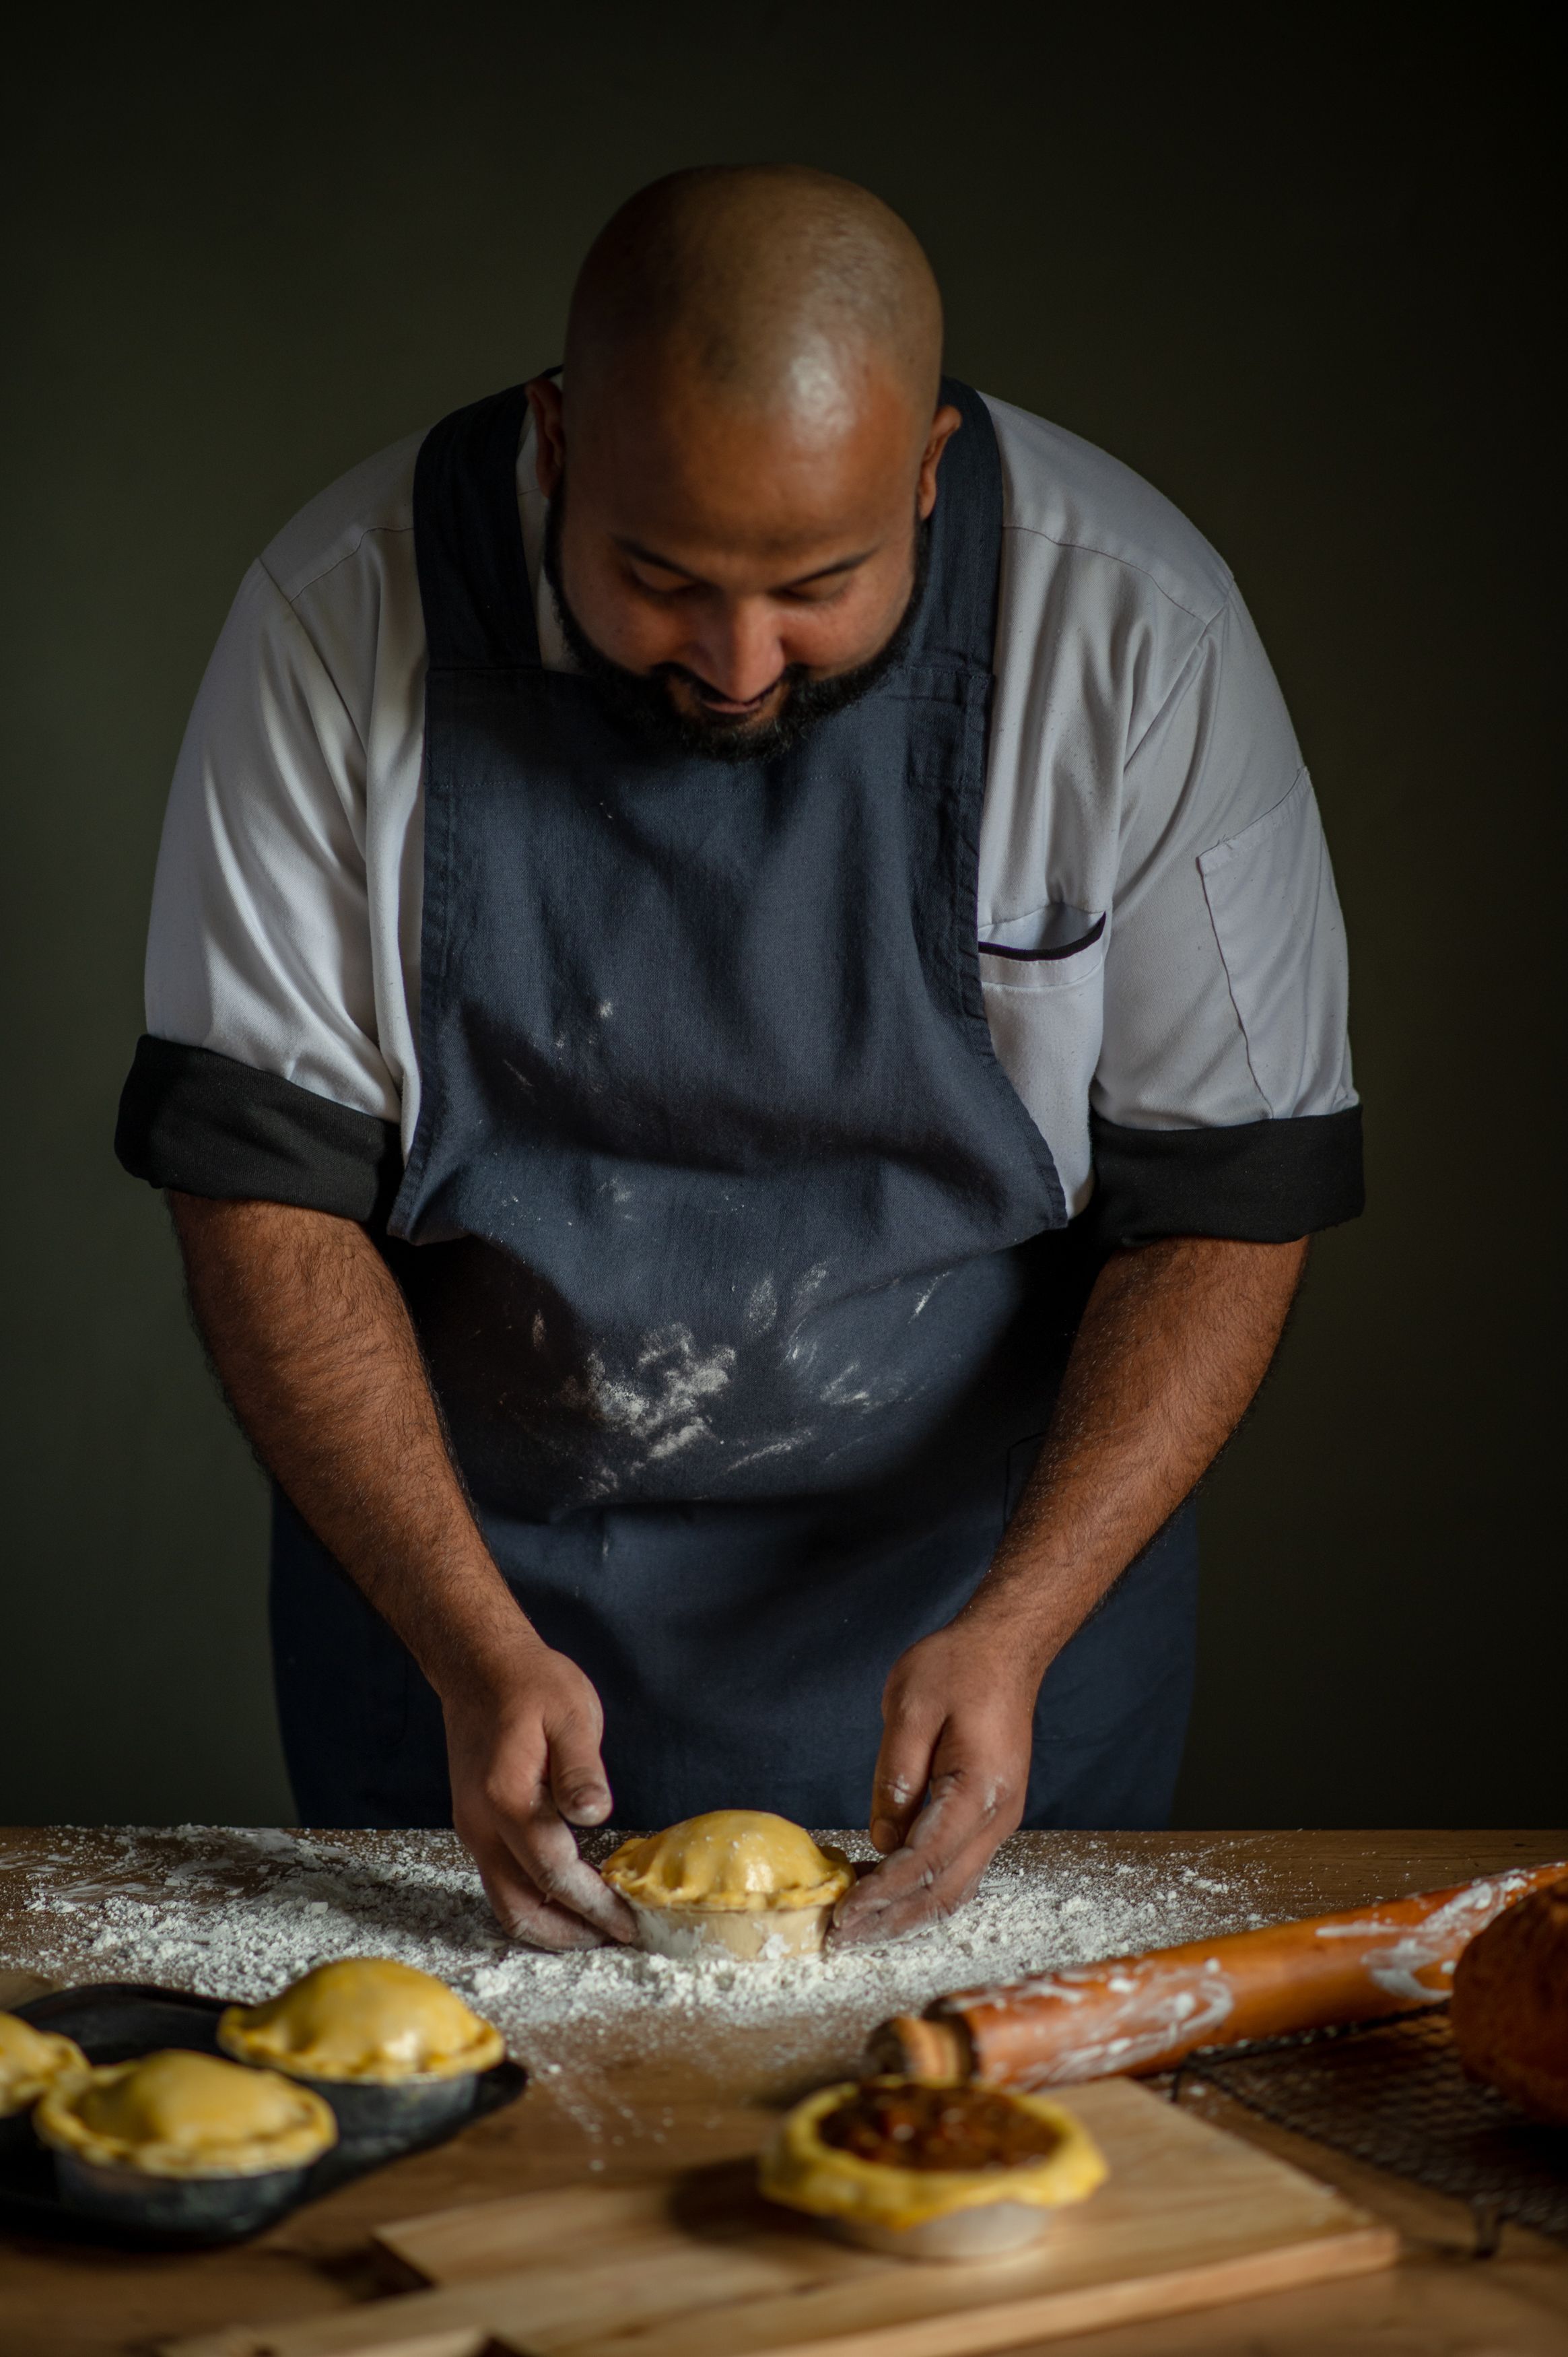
<point>896,2152</point>
<point>904,2125</point>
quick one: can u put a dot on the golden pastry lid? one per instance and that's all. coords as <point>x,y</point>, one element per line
<point>179,2114</point>
<point>364,2020</point>
<point>730,1860</point>
<point>31,2062</point>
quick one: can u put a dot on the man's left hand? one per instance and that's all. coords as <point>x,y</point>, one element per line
<point>1174,1343</point>
<point>958,1718</point>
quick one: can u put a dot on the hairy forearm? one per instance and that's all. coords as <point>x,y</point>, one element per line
<point>313,1344</point>
<point>1172,1345</point>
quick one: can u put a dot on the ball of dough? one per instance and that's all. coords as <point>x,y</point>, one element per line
<point>1509,2011</point>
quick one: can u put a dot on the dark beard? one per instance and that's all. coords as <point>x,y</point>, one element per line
<point>642,697</point>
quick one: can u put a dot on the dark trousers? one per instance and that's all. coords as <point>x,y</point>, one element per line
<point>363,1738</point>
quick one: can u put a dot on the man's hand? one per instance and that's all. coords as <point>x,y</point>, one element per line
<point>524,1749</point>
<point>1175,1341</point>
<point>313,1344</point>
<point>957,1716</point>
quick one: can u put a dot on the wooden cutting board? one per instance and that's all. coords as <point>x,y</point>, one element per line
<point>695,2264</point>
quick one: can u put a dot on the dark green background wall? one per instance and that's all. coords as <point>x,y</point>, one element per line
<point>1302,290</point>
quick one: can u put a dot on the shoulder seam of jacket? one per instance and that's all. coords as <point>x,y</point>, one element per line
<point>1087,548</point>
<point>369,531</point>
<point>291,608</point>
<point>1181,686</point>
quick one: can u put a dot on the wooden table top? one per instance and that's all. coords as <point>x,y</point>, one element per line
<point>651,2109</point>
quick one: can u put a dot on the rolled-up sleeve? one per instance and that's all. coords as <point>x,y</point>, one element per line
<point>261,1074</point>
<point>1222,1101</point>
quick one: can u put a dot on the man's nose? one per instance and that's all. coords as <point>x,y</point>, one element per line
<point>736,649</point>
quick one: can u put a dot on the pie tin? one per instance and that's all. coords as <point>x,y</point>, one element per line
<point>989,2231</point>
<point>759,1935</point>
<point>376,2120</point>
<point>217,2209</point>
<point>115,2021</point>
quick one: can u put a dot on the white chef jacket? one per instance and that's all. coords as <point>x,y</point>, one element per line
<point>1161,948</point>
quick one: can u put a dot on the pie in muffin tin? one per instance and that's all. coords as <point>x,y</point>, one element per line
<point>117,2023</point>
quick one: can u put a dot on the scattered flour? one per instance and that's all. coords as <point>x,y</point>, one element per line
<point>240,1912</point>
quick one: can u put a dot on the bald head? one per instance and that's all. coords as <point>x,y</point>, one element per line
<point>769,289</point>
<point>743,449</point>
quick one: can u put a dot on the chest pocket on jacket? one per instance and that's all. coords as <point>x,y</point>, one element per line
<point>1049,948</point>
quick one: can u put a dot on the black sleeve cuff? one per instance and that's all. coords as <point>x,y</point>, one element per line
<point>203,1124</point>
<point>1263,1183</point>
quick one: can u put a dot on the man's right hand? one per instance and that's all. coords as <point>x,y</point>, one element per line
<point>522,1744</point>
<point>312,1339</point>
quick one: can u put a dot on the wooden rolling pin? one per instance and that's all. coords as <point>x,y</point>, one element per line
<point>1143,2013</point>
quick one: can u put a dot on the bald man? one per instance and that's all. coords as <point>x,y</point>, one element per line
<point>745,1028</point>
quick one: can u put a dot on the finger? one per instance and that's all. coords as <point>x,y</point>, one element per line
<point>973,1805</point>
<point>912,1905</point>
<point>578,1784</point>
<point>903,1773</point>
<point>919,1883</point>
<point>911,1732</point>
<point>544,1847</point>
<point>961,1799</point>
<point>523,1914</point>
<point>518,1815</point>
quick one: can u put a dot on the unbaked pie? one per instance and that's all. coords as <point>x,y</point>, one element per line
<point>31,2061</point>
<point>396,2052</point>
<point>177,2114</point>
<point>183,2140</point>
<point>736,1878</point>
<point>362,2018</point>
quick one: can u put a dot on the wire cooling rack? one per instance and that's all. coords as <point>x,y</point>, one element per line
<point>1392,2094</point>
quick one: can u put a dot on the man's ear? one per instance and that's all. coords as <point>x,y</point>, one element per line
<point>550,432</point>
<point>944,426</point>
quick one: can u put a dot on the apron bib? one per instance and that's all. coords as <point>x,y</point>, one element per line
<point>739,1268</point>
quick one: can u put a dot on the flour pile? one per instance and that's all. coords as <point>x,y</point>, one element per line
<point>237,1913</point>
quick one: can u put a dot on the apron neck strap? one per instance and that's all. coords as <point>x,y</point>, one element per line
<point>956,628</point>
<point>467,539</point>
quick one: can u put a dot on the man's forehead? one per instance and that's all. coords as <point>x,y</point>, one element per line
<point>695,470</point>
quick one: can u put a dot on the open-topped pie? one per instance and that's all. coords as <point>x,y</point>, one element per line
<point>928,2171</point>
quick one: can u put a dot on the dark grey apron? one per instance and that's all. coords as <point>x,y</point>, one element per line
<point>741,1271</point>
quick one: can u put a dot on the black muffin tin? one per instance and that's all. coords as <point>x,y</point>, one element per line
<point>115,2021</point>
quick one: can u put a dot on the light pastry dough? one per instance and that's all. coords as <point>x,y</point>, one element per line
<point>736,1878</point>
<point>182,2114</point>
<point>31,2062</point>
<point>922,2208</point>
<point>365,2020</point>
